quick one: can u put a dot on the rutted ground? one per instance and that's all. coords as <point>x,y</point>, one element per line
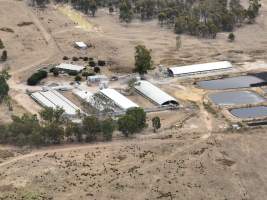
<point>179,167</point>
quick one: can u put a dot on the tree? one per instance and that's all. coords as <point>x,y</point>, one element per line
<point>2,46</point>
<point>78,78</point>
<point>143,59</point>
<point>231,37</point>
<point>73,130</point>
<point>107,127</point>
<point>55,72</point>
<point>156,123</point>
<point>127,125</point>
<point>4,55</point>
<point>52,116</point>
<point>4,88</point>
<point>126,13</point>
<point>131,84</point>
<point>93,7</point>
<point>139,117</point>
<point>91,127</point>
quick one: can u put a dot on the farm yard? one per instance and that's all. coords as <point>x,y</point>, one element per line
<point>209,96</point>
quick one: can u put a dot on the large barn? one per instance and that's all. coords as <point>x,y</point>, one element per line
<point>120,100</point>
<point>154,93</point>
<point>199,68</point>
<point>54,99</point>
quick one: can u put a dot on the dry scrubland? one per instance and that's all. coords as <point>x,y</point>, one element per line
<point>190,158</point>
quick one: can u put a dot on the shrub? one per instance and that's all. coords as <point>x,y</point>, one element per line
<point>1,44</point>
<point>37,77</point>
<point>231,37</point>
<point>101,63</point>
<point>52,70</point>
<point>78,78</point>
<point>85,74</point>
<point>85,59</point>
<point>75,58</point>
<point>56,72</point>
<point>65,58</point>
<point>92,63</point>
<point>96,69</point>
<point>4,55</point>
<point>72,73</point>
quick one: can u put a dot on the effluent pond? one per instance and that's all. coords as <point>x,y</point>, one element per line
<point>235,98</point>
<point>230,83</point>
<point>252,112</point>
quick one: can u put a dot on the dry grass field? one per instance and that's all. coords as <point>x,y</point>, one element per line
<point>193,156</point>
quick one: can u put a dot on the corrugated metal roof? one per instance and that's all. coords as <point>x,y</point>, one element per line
<point>81,44</point>
<point>71,67</point>
<point>198,68</point>
<point>54,99</point>
<point>119,99</point>
<point>154,93</point>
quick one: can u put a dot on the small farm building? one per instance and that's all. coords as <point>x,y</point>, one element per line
<point>199,68</point>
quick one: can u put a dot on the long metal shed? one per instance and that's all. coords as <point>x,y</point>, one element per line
<point>54,99</point>
<point>118,99</point>
<point>154,93</point>
<point>199,68</point>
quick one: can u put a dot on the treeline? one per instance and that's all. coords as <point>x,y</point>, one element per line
<point>203,18</point>
<point>54,128</point>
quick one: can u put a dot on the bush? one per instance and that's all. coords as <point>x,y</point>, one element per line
<point>101,63</point>
<point>73,73</point>
<point>65,58</point>
<point>56,72</point>
<point>78,78</point>
<point>85,74</point>
<point>4,56</point>
<point>75,58</point>
<point>231,37</point>
<point>1,44</point>
<point>96,69</point>
<point>37,77</point>
<point>85,59</point>
<point>92,63</point>
<point>52,70</point>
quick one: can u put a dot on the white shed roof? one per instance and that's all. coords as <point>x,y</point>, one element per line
<point>54,99</point>
<point>83,94</point>
<point>154,93</point>
<point>70,67</point>
<point>198,68</point>
<point>81,44</point>
<point>119,99</point>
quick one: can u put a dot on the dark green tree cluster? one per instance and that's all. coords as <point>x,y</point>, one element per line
<point>143,59</point>
<point>54,128</point>
<point>4,88</point>
<point>132,122</point>
<point>37,77</point>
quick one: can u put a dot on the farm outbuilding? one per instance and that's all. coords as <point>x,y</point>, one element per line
<point>199,68</point>
<point>81,45</point>
<point>70,68</point>
<point>54,99</point>
<point>154,93</point>
<point>120,100</point>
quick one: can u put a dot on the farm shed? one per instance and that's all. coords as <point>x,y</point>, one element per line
<point>154,93</point>
<point>70,68</point>
<point>118,99</point>
<point>81,45</point>
<point>199,68</point>
<point>97,78</point>
<point>54,99</point>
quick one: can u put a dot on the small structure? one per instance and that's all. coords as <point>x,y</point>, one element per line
<point>120,100</point>
<point>97,79</point>
<point>54,99</point>
<point>154,93</point>
<point>81,45</point>
<point>199,68</point>
<point>70,68</point>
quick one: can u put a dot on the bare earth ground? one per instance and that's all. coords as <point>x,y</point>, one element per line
<point>192,157</point>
